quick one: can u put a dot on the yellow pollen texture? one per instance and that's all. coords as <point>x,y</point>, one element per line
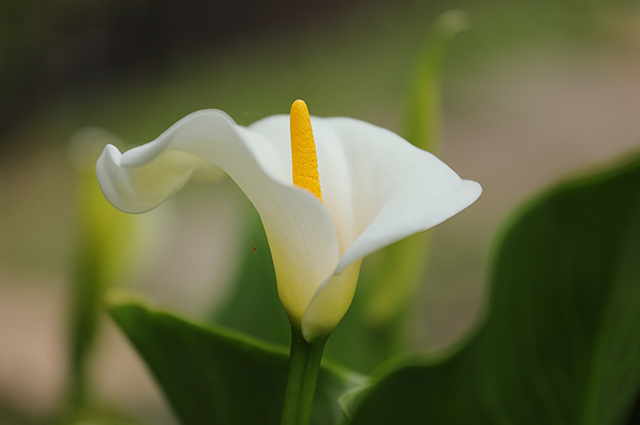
<point>303,150</point>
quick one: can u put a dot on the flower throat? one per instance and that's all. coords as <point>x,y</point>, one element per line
<point>303,150</point>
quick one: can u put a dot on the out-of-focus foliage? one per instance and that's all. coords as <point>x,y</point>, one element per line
<point>49,47</point>
<point>107,241</point>
<point>423,118</point>
<point>112,249</point>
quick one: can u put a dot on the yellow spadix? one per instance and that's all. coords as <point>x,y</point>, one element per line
<point>303,150</point>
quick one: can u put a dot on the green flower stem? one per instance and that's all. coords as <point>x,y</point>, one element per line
<point>304,366</point>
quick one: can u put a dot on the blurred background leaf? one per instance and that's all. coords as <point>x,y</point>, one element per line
<point>561,340</point>
<point>215,375</point>
<point>105,255</point>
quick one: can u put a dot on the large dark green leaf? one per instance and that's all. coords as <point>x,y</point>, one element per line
<point>215,376</point>
<point>561,340</point>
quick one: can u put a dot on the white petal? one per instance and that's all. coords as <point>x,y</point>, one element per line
<point>397,189</point>
<point>301,233</point>
<point>330,303</point>
<point>140,189</point>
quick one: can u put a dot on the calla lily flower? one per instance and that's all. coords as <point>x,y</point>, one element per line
<point>376,188</point>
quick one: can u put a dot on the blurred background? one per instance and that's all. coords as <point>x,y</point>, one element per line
<point>533,91</point>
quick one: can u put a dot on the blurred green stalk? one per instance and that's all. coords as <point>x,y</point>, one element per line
<point>104,251</point>
<point>399,268</point>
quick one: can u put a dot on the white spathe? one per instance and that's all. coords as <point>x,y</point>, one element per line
<point>377,189</point>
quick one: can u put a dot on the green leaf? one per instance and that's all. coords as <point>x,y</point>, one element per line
<point>423,116</point>
<point>561,340</point>
<point>216,376</point>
